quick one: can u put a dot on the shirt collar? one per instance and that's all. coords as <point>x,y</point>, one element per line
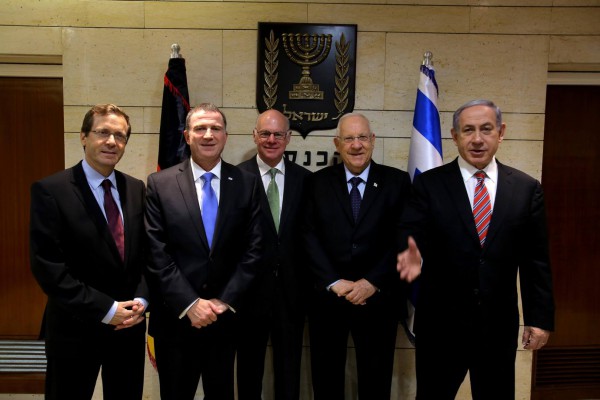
<point>363,175</point>
<point>264,168</point>
<point>467,170</point>
<point>198,171</point>
<point>95,178</point>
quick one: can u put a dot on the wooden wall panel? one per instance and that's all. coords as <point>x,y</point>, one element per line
<point>570,365</point>
<point>32,144</point>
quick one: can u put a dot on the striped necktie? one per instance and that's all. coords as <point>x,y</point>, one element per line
<point>482,207</point>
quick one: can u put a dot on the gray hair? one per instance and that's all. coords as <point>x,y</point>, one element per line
<point>353,114</point>
<point>473,103</point>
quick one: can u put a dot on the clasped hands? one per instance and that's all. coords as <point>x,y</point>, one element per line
<point>204,312</point>
<point>129,313</point>
<point>356,293</point>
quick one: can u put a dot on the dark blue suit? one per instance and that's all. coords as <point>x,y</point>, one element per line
<point>183,268</point>
<point>76,262</point>
<point>340,248</point>
<point>277,303</point>
<point>467,314</point>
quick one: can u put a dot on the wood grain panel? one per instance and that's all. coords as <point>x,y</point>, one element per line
<point>572,190</point>
<point>32,143</point>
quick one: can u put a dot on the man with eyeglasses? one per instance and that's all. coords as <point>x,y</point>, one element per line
<point>88,250</point>
<point>203,223</point>
<point>275,307</point>
<point>352,212</point>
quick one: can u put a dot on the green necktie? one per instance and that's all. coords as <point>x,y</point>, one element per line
<point>273,197</point>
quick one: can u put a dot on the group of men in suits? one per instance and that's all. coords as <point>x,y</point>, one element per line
<point>235,256</point>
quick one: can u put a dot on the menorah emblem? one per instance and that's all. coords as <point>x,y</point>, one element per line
<point>306,50</point>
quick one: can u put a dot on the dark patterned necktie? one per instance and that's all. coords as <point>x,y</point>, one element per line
<point>115,223</point>
<point>482,207</point>
<point>210,206</point>
<point>355,196</point>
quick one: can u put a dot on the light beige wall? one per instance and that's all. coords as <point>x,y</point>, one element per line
<point>117,51</point>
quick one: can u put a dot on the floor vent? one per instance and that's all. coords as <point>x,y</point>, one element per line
<point>567,366</point>
<point>22,356</point>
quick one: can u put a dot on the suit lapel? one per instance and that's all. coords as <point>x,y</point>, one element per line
<point>82,190</point>
<point>375,183</point>
<point>264,202</point>
<point>227,198</point>
<point>185,180</point>
<point>290,193</point>
<point>455,187</point>
<point>340,188</point>
<point>504,193</point>
<point>123,197</point>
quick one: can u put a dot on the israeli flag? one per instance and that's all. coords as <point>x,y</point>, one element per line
<point>425,150</point>
<point>426,141</point>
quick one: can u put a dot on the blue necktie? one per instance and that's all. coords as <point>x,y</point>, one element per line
<point>355,196</point>
<point>209,207</point>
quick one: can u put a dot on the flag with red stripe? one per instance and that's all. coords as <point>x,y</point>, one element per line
<point>172,148</point>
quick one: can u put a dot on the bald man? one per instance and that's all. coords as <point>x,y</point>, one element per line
<point>275,307</point>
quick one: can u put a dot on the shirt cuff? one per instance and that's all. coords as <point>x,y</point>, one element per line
<point>187,308</point>
<point>111,313</point>
<point>331,285</point>
<point>144,302</point>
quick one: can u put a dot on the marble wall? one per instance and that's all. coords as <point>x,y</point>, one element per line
<point>117,51</point>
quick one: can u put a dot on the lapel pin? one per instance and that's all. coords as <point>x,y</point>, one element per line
<point>229,178</point>
<point>374,184</point>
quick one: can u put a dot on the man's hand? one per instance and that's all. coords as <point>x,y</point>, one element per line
<point>128,314</point>
<point>204,312</point>
<point>409,262</point>
<point>219,306</point>
<point>342,287</point>
<point>534,338</point>
<point>361,291</point>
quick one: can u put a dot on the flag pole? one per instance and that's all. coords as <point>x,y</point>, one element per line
<point>172,148</point>
<point>175,51</point>
<point>425,150</point>
<point>428,59</point>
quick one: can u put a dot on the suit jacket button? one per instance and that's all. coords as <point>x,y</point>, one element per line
<point>204,286</point>
<point>354,245</point>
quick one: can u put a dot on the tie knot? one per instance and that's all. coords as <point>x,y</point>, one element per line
<point>106,184</point>
<point>207,177</point>
<point>479,175</point>
<point>273,172</point>
<point>355,181</point>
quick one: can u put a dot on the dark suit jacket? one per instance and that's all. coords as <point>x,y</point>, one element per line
<point>459,275</point>
<point>282,255</point>
<point>339,248</point>
<point>182,267</point>
<point>75,259</point>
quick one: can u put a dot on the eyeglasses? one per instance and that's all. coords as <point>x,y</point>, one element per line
<point>265,135</point>
<point>105,134</point>
<point>350,139</point>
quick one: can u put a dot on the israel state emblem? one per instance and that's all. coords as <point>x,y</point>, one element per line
<point>306,71</point>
